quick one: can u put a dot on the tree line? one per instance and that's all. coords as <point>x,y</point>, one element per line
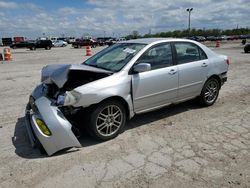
<point>192,32</point>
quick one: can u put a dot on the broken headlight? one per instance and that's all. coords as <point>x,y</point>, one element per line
<point>68,98</point>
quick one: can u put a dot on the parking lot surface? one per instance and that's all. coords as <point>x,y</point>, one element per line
<point>178,146</point>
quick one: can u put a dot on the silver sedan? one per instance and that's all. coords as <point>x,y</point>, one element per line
<point>125,79</point>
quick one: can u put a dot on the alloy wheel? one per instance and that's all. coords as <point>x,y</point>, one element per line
<point>211,91</point>
<point>109,120</point>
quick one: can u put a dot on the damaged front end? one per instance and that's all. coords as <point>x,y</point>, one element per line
<point>50,112</point>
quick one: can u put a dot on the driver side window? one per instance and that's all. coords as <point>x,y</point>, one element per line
<point>158,56</point>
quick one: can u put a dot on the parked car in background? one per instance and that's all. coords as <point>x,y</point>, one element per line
<point>53,39</point>
<point>101,42</point>
<point>70,40</point>
<point>233,37</point>
<point>211,38</point>
<point>224,37</point>
<point>24,44</point>
<point>62,38</point>
<point>84,42</point>
<point>125,79</point>
<point>120,39</point>
<point>46,44</point>
<point>111,42</point>
<point>197,38</point>
<point>19,39</point>
<point>7,41</point>
<point>59,43</point>
<point>247,48</point>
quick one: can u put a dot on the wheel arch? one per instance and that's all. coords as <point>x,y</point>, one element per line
<point>217,77</point>
<point>121,100</point>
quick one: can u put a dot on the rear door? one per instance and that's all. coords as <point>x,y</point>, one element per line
<point>192,64</point>
<point>157,87</point>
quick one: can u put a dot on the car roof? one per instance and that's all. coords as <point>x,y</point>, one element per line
<point>153,40</point>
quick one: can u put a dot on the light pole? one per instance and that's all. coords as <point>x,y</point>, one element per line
<point>189,14</point>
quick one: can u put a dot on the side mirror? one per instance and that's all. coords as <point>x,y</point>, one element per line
<point>141,67</point>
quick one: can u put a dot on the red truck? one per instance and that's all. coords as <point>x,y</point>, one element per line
<point>84,42</point>
<point>19,39</point>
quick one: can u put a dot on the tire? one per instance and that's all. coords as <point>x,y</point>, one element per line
<point>47,48</point>
<point>107,120</point>
<point>32,48</point>
<point>210,92</point>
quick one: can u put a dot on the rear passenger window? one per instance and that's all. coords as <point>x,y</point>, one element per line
<point>159,56</point>
<point>202,54</point>
<point>188,52</point>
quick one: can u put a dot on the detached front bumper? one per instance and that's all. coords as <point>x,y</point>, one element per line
<point>61,133</point>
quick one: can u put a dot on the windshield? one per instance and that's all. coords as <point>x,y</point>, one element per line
<point>115,57</point>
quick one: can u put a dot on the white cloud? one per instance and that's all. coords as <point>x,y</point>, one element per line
<point>7,5</point>
<point>68,11</point>
<point>122,17</point>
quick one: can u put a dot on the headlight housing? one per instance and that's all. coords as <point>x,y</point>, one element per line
<point>67,99</point>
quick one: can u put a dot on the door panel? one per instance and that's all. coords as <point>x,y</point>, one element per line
<point>191,78</point>
<point>192,66</point>
<point>154,88</point>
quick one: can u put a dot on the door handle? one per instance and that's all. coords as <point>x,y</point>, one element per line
<point>172,71</point>
<point>204,64</point>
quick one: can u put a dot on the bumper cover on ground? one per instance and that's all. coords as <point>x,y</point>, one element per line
<point>62,136</point>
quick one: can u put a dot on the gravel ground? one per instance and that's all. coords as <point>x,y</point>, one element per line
<point>178,146</point>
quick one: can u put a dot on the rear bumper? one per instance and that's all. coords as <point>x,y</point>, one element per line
<point>62,136</point>
<point>223,78</point>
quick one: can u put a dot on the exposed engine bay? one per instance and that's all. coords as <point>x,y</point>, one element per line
<point>58,79</point>
<point>61,78</point>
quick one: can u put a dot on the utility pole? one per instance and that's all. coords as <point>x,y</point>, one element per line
<point>189,15</point>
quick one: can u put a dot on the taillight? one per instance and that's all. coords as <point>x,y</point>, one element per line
<point>227,61</point>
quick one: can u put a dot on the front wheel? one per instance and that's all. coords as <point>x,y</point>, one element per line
<point>210,92</point>
<point>107,120</point>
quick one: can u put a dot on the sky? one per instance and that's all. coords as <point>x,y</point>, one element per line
<point>117,18</point>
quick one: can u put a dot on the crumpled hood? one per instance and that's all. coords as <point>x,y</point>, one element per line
<point>58,74</point>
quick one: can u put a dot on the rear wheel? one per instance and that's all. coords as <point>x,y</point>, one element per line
<point>32,48</point>
<point>107,120</point>
<point>210,92</point>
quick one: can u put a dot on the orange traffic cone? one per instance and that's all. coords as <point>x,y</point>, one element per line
<point>7,54</point>
<point>88,51</point>
<point>217,44</point>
